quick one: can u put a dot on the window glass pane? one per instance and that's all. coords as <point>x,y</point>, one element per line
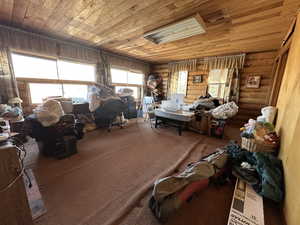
<point>118,76</point>
<point>213,90</point>
<point>77,92</point>
<point>135,78</point>
<point>33,67</point>
<point>135,90</point>
<point>40,91</point>
<point>76,71</point>
<point>217,76</point>
<point>222,91</point>
<point>182,82</point>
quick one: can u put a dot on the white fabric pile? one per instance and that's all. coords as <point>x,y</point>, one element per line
<point>225,111</point>
<point>49,113</point>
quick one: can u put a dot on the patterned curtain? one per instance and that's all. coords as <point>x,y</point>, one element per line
<point>188,65</point>
<point>103,71</point>
<point>224,62</point>
<point>174,68</point>
<point>8,85</point>
<point>232,88</point>
<point>173,84</point>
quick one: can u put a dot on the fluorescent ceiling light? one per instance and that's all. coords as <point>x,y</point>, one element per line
<point>182,29</point>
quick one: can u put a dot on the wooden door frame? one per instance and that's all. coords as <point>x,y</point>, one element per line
<point>277,67</point>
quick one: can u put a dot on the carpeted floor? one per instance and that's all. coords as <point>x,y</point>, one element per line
<point>92,186</point>
<point>111,169</point>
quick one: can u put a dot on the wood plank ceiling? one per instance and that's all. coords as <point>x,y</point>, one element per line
<point>118,25</point>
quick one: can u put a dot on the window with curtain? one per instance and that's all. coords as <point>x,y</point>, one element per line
<point>51,77</point>
<point>178,83</point>
<point>182,82</point>
<point>217,79</point>
<point>127,79</point>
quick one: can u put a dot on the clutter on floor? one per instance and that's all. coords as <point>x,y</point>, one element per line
<point>171,192</point>
<point>109,109</point>
<point>59,139</point>
<point>205,116</point>
<point>259,137</point>
<point>261,171</point>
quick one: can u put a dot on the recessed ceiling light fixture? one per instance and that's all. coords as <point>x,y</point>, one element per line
<point>175,31</point>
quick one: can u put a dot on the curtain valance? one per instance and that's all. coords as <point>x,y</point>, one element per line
<point>224,62</point>
<point>189,65</point>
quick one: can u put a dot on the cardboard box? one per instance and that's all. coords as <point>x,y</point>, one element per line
<point>246,207</point>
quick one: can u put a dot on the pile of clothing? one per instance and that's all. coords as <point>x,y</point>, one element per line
<point>106,107</point>
<point>12,111</point>
<point>263,171</point>
<point>206,102</point>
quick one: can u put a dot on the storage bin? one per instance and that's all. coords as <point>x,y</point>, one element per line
<point>252,145</point>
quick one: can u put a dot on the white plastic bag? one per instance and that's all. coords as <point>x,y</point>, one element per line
<point>269,113</point>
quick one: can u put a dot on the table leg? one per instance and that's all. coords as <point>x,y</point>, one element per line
<point>179,130</point>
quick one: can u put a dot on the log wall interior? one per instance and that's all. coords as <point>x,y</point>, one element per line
<point>251,99</point>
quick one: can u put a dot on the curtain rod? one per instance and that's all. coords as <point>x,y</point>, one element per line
<point>72,43</point>
<point>224,56</point>
<point>206,57</point>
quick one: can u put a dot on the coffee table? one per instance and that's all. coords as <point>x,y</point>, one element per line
<point>178,119</point>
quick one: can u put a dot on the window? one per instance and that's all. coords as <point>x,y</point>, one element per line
<point>119,76</point>
<point>32,68</point>
<point>216,82</point>
<point>131,80</point>
<point>78,92</point>
<point>182,82</point>
<point>76,71</point>
<point>39,91</point>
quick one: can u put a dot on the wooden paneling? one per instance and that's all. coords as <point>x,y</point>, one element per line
<point>232,26</point>
<point>251,100</point>
<point>288,126</point>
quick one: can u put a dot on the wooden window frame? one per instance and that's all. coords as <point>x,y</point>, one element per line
<point>140,86</point>
<point>50,81</point>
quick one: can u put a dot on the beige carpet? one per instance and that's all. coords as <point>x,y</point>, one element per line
<point>94,185</point>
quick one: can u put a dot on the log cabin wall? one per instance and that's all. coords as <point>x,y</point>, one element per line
<point>251,99</point>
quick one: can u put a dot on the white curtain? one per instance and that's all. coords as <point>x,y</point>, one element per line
<point>233,63</point>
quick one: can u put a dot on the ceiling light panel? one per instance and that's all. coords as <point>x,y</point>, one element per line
<point>182,29</point>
